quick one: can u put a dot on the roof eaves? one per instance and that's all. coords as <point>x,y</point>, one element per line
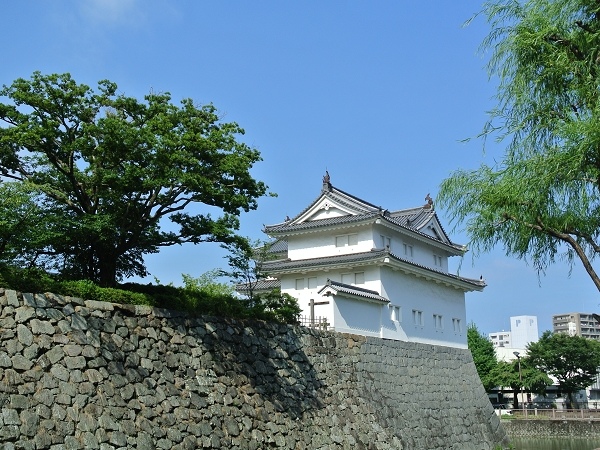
<point>335,194</point>
<point>457,249</point>
<point>266,284</point>
<point>351,290</point>
<point>383,256</point>
<point>478,285</point>
<point>341,193</point>
<point>319,224</point>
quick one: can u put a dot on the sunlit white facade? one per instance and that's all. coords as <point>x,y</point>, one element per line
<point>370,271</point>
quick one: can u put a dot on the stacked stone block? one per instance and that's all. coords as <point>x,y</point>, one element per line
<point>78,374</point>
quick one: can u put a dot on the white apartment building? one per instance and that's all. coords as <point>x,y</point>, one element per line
<point>501,338</point>
<point>523,330</point>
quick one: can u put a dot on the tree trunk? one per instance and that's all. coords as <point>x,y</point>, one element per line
<point>107,264</point>
<point>569,402</point>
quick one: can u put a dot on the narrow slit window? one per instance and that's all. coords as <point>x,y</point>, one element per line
<point>395,313</point>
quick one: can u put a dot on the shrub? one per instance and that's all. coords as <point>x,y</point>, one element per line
<point>26,280</point>
<point>88,290</point>
<point>193,298</point>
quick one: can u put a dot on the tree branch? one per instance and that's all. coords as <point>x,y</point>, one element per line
<point>564,237</point>
<point>555,39</point>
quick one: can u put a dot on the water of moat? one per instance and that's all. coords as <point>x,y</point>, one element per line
<point>527,443</point>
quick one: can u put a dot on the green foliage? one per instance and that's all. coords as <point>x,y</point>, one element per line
<point>573,360</point>
<point>484,356</point>
<point>540,202</point>
<point>245,260</point>
<point>494,373</point>
<point>89,291</point>
<point>25,226</point>
<point>194,300</point>
<point>200,296</point>
<point>208,284</point>
<point>27,280</point>
<point>531,379</point>
<point>112,169</point>
<point>510,446</point>
<point>282,307</point>
<point>161,296</point>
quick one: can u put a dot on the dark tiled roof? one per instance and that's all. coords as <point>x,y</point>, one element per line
<point>356,219</point>
<point>278,246</point>
<point>417,218</point>
<point>338,196</point>
<point>352,290</point>
<point>287,265</point>
<point>266,284</point>
<point>344,196</point>
<point>412,219</point>
<point>340,220</point>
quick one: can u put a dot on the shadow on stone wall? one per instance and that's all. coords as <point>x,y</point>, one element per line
<point>91,373</point>
<point>263,360</point>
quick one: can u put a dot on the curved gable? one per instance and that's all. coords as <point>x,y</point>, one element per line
<point>323,208</point>
<point>433,228</point>
<point>333,203</point>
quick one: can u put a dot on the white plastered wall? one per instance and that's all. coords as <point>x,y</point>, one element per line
<point>412,293</point>
<point>322,244</point>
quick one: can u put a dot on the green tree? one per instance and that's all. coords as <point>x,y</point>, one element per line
<point>574,361</point>
<point>25,226</point>
<point>118,170</point>
<point>540,202</point>
<point>18,213</point>
<point>282,307</point>
<point>208,283</point>
<point>484,356</point>
<point>245,261</point>
<point>530,379</point>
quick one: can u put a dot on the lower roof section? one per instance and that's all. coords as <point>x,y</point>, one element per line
<point>335,288</point>
<point>374,257</point>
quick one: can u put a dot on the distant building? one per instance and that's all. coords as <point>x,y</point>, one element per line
<point>501,339</point>
<point>576,324</point>
<point>523,330</point>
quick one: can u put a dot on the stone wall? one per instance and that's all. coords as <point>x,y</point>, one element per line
<point>580,428</point>
<point>85,374</point>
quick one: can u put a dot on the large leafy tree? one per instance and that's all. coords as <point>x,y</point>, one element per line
<point>574,361</point>
<point>527,378</point>
<point>25,226</point>
<point>484,356</point>
<point>118,170</point>
<point>541,201</point>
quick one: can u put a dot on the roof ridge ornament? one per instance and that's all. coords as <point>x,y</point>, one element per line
<point>429,204</point>
<point>326,182</point>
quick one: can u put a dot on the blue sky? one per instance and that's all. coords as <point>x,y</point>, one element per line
<point>381,94</point>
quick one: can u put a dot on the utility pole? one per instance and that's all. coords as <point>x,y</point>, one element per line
<point>520,381</point>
